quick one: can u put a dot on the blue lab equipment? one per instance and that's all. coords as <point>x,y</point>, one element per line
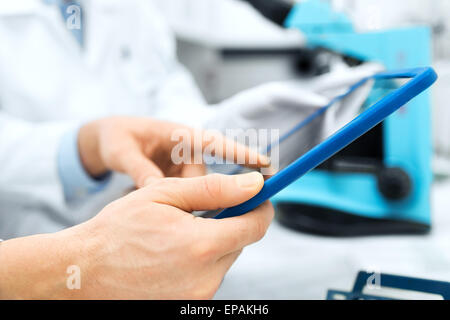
<point>422,79</point>
<point>437,288</point>
<point>396,199</point>
<point>342,197</point>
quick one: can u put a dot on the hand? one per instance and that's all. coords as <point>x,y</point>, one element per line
<point>147,245</point>
<point>142,148</point>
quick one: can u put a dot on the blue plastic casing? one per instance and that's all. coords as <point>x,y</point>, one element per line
<point>404,146</point>
<point>421,79</point>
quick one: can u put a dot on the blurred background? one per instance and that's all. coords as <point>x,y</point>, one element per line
<point>207,28</point>
<point>229,46</point>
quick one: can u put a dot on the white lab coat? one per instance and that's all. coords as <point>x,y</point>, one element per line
<point>48,86</point>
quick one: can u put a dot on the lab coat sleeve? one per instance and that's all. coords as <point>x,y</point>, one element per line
<point>76,181</point>
<point>28,161</point>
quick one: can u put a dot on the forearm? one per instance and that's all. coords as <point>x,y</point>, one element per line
<point>36,267</point>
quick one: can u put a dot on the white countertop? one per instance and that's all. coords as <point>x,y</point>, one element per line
<point>291,265</point>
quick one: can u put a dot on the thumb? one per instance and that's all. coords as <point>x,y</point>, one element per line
<point>206,193</point>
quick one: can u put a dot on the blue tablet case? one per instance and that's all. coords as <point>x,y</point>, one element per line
<point>421,79</point>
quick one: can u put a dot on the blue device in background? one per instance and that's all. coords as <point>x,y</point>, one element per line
<point>402,285</point>
<point>338,198</point>
<point>422,79</point>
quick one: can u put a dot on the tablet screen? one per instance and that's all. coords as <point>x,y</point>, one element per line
<point>306,128</point>
<point>329,142</point>
<point>321,124</point>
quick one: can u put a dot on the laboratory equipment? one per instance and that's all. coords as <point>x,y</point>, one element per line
<point>422,79</point>
<point>404,288</point>
<point>342,197</point>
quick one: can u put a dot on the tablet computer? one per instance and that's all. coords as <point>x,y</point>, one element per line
<point>415,81</point>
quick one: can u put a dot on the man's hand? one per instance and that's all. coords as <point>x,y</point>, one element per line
<point>147,245</point>
<point>142,148</point>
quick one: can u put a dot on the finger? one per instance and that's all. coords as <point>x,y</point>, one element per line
<point>217,145</point>
<point>269,173</point>
<point>191,171</point>
<point>140,168</point>
<point>210,192</point>
<point>191,146</point>
<point>233,234</point>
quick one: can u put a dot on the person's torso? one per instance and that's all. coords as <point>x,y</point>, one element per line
<point>46,76</point>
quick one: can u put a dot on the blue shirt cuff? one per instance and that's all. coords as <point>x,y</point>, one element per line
<point>76,182</point>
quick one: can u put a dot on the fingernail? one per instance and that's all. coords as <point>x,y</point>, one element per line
<point>250,180</point>
<point>269,171</point>
<point>265,161</point>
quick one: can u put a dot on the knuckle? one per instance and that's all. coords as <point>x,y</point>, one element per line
<point>260,230</point>
<point>113,153</point>
<point>272,211</point>
<point>261,223</point>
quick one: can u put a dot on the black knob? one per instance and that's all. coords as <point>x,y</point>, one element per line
<point>394,183</point>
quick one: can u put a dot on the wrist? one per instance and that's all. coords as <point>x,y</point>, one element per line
<point>37,267</point>
<point>89,150</point>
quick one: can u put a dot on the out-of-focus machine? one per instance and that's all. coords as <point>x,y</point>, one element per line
<point>381,183</point>
<point>373,286</point>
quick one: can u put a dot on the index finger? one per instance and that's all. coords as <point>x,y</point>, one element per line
<point>194,145</point>
<point>233,234</point>
<point>227,149</point>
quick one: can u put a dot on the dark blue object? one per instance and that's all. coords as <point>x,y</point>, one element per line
<point>393,282</point>
<point>422,79</point>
